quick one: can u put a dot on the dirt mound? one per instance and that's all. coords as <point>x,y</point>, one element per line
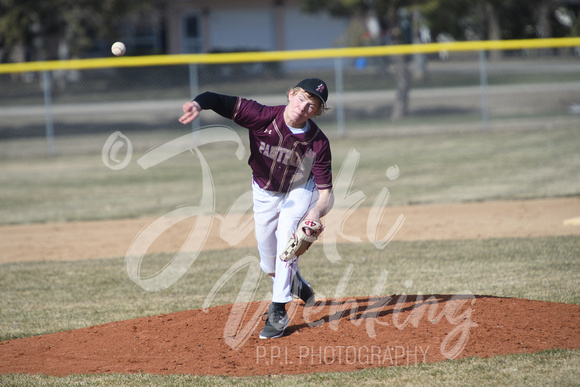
<point>334,335</point>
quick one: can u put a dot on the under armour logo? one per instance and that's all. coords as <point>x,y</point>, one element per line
<point>320,88</point>
<point>269,131</point>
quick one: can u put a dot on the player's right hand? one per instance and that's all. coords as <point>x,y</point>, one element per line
<point>190,112</point>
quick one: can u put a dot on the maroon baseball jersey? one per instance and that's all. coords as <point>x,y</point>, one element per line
<point>279,158</point>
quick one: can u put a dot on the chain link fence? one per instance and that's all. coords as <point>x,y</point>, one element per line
<point>63,111</point>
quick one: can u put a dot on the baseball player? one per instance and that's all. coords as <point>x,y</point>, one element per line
<point>290,160</point>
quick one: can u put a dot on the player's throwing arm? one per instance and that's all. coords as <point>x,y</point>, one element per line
<point>191,111</point>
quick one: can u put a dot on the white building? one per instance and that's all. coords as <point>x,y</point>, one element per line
<point>199,26</point>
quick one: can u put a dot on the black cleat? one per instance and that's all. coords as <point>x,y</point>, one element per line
<point>276,323</point>
<point>301,289</point>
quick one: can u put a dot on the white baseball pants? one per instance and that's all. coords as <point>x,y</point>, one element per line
<point>276,217</point>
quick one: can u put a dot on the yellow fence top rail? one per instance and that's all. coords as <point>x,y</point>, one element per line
<point>270,56</point>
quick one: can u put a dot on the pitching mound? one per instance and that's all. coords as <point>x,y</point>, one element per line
<point>334,335</point>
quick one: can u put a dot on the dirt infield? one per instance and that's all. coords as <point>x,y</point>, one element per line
<point>334,335</point>
<point>506,219</point>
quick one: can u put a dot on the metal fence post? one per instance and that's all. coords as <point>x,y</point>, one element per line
<point>483,86</point>
<point>49,123</point>
<point>339,81</point>
<point>194,90</point>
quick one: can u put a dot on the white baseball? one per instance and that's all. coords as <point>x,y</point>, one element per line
<point>118,48</point>
<point>393,172</point>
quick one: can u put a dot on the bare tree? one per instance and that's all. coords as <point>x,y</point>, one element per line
<point>395,20</point>
<point>492,25</point>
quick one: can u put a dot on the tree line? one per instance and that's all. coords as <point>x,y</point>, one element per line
<point>60,29</point>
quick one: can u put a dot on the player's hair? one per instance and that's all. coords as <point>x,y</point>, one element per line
<point>321,108</point>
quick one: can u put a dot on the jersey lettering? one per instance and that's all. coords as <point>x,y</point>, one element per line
<point>280,154</point>
<point>273,152</point>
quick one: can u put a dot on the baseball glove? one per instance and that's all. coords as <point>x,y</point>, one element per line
<point>300,241</point>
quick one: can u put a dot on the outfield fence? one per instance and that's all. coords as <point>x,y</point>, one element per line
<point>60,105</point>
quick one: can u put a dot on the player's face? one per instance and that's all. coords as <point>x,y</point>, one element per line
<point>300,108</point>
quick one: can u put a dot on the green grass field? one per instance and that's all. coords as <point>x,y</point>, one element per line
<point>435,168</point>
<point>43,297</point>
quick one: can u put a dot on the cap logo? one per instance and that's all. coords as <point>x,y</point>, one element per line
<point>320,88</point>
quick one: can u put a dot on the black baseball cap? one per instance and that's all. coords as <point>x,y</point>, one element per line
<point>315,86</point>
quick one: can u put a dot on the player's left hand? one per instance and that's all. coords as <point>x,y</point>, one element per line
<point>306,234</point>
<point>314,217</point>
